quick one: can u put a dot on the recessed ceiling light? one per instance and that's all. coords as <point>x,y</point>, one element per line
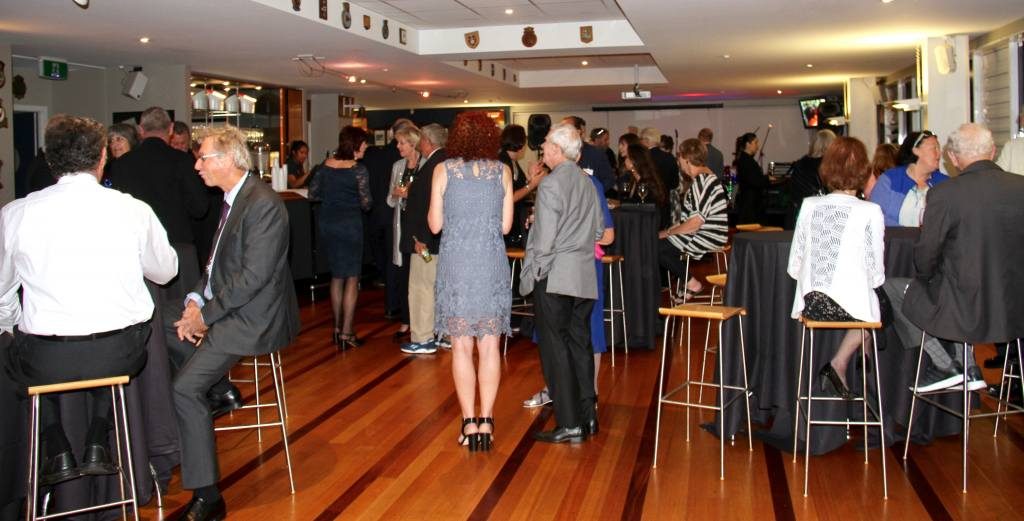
<point>465,101</point>
<point>352,79</point>
<point>385,69</point>
<point>258,87</point>
<point>193,84</point>
<point>584,63</point>
<point>510,11</point>
<point>726,56</point>
<point>362,80</point>
<point>226,83</point>
<point>779,91</point>
<point>425,94</point>
<point>144,39</point>
<point>810,65</point>
<point>886,1</point>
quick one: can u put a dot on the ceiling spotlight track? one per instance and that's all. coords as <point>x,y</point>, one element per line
<point>313,67</point>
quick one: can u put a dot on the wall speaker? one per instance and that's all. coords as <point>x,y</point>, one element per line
<point>537,129</point>
<point>134,84</point>
<point>945,58</point>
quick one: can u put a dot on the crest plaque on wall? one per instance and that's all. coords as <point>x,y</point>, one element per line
<point>323,9</point>
<point>346,15</point>
<point>529,37</point>
<point>384,31</point>
<point>402,38</point>
<point>3,75</point>
<point>472,39</point>
<point>586,33</point>
<point>296,5</point>
<point>366,22</point>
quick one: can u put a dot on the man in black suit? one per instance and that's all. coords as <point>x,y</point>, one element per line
<point>421,244</point>
<point>592,159</point>
<point>969,261</point>
<point>668,168</point>
<point>245,305</point>
<point>164,178</point>
<point>378,161</point>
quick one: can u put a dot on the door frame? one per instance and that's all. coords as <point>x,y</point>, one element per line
<point>42,113</point>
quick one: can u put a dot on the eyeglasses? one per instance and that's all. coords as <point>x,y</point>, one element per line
<point>203,158</point>
<point>925,134</point>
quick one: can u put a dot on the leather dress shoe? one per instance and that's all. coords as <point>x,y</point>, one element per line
<point>561,435</point>
<point>591,428</point>
<point>58,468</point>
<point>201,510</point>
<point>225,403</point>
<point>96,461</point>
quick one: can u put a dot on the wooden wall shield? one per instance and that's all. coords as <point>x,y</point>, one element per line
<point>472,39</point>
<point>586,33</point>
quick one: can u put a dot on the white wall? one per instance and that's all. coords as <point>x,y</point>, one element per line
<point>788,140</point>
<point>948,96</point>
<point>863,112</point>
<point>324,125</point>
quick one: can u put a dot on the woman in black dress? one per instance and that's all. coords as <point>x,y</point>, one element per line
<point>343,186</point>
<point>753,182</point>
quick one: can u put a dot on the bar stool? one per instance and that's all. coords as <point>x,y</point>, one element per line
<point>812,325</point>
<point>278,404</point>
<point>121,434</point>
<point>275,365</point>
<point>769,229</point>
<point>716,282</point>
<point>750,227</point>
<point>1002,409</point>
<point>521,308</point>
<point>614,262</point>
<point>721,314</point>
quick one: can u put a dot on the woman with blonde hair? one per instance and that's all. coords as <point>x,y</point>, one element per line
<point>402,174</point>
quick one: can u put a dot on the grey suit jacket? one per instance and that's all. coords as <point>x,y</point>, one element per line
<point>568,221</point>
<point>253,310</point>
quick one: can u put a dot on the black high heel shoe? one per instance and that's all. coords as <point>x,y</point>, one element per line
<point>336,338</point>
<point>830,379</point>
<point>483,439</point>
<point>467,439</point>
<point>350,340</point>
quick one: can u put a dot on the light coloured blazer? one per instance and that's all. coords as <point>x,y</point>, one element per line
<point>568,221</point>
<point>397,170</point>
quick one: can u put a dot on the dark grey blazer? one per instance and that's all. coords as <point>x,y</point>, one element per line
<point>970,258</point>
<point>254,310</point>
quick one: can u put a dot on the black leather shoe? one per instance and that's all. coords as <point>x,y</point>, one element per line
<point>591,428</point>
<point>561,435</point>
<point>96,461</point>
<point>225,403</point>
<point>996,362</point>
<point>200,510</point>
<point>400,336</point>
<point>59,468</point>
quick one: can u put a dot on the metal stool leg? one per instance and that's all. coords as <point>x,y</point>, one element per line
<point>33,459</point>
<point>661,389</point>
<point>689,378</point>
<point>156,487</point>
<point>275,360</point>
<point>721,407</point>
<point>913,397</point>
<point>799,384</point>
<point>256,379</point>
<point>807,414</point>
<point>128,451</point>
<point>279,390</point>
<point>864,390</point>
<point>611,308</point>
<point>967,416</point>
<point>622,310</point>
<point>881,415</point>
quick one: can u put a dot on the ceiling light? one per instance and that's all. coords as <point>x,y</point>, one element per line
<point>362,80</point>
<point>144,39</point>
<point>726,56</point>
<point>810,65</point>
<point>425,94</point>
<point>584,63</point>
<point>886,1</point>
<point>385,69</point>
<point>193,85</point>
<point>84,4</point>
<point>351,79</point>
<point>510,11</point>
<point>465,101</point>
<point>778,91</point>
<point>226,83</point>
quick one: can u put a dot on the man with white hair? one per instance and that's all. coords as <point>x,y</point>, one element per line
<point>559,271</point>
<point>969,261</point>
<point>665,162</point>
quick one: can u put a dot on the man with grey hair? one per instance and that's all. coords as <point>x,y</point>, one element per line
<point>421,244</point>
<point>559,271</point>
<point>244,305</point>
<point>969,261</point>
<point>668,168</point>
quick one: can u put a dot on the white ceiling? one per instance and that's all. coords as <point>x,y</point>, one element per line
<point>769,41</point>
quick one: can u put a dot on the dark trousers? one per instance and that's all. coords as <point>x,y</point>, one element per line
<point>37,361</point>
<point>398,289</point>
<point>204,368</point>
<point>563,329</point>
<point>669,258</point>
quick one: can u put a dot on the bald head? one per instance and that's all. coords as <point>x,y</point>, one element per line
<point>970,143</point>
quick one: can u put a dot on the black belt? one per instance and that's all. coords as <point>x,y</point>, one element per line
<point>82,338</point>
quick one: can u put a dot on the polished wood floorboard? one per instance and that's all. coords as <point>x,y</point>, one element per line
<point>373,433</point>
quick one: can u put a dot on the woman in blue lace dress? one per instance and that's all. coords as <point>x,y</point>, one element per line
<point>471,203</point>
<point>343,187</point>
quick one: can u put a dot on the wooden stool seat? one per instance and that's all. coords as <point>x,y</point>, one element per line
<point>819,324</point>
<point>612,259</point>
<point>748,227</point>
<point>717,280</point>
<point>77,386</point>
<point>515,253</point>
<point>703,311</point>
<point>769,229</point>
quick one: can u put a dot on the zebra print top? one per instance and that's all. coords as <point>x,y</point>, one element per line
<point>707,199</point>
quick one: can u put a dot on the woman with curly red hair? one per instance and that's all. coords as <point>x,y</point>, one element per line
<point>471,200</point>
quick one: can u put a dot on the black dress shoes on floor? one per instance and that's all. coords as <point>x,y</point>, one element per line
<point>225,403</point>
<point>561,435</point>
<point>200,509</point>
<point>97,461</point>
<point>591,428</point>
<point>58,468</point>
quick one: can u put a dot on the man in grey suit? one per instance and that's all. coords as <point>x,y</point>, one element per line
<point>715,161</point>
<point>559,270</point>
<point>244,306</point>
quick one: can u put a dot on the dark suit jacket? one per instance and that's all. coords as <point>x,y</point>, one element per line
<point>668,168</point>
<point>254,310</point>
<point>970,258</point>
<point>715,161</point>
<point>594,158</point>
<point>163,178</point>
<point>753,184</point>
<point>378,161</point>
<point>414,218</point>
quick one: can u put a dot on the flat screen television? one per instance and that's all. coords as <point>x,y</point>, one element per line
<point>810,111</point>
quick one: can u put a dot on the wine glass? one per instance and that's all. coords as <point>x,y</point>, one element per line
<point>642,191</point>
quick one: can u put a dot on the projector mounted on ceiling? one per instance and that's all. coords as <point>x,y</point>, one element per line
<point>636,93</point>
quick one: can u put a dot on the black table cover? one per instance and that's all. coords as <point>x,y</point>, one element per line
<point>636,239</point>
<point>758,281</point>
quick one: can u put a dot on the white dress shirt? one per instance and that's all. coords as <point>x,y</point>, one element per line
<point>838,250</point>
<point>1011,159</point>
<point>80,251</point>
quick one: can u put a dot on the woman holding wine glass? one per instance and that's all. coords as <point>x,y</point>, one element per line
<point>645,185</point>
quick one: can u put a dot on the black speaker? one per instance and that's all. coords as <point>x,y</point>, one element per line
<point>537,129</point>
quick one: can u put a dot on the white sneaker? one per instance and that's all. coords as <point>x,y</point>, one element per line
<point>935,379</point>
<point>540,399</point>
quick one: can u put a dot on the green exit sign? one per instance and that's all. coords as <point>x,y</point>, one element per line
<point>53,69</point>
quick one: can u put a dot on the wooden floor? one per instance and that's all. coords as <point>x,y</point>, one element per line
<point>373,434</point>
